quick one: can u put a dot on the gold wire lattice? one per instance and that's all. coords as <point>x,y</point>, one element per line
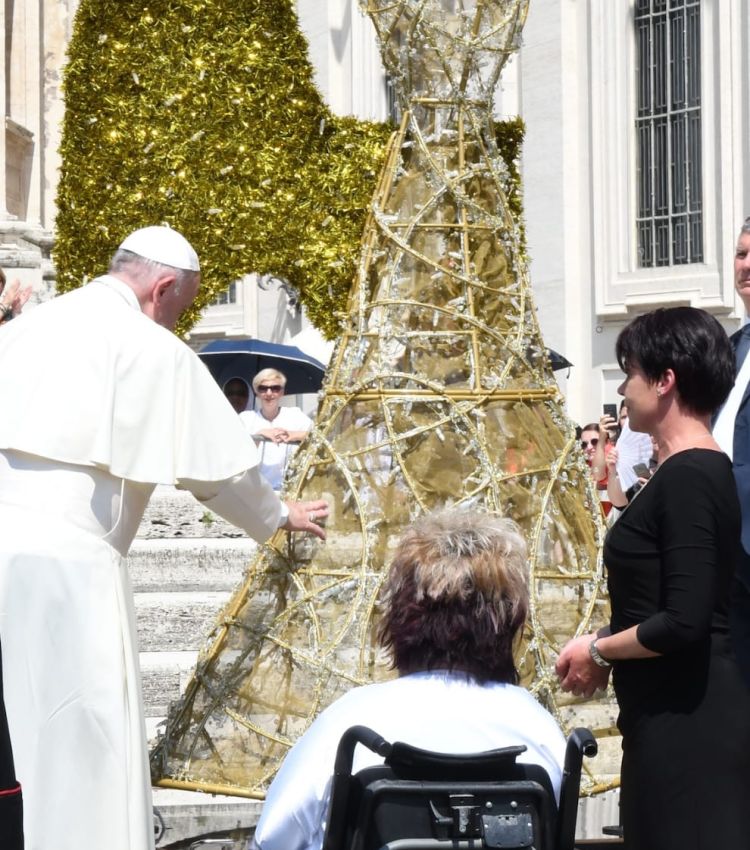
<point>439,392</point>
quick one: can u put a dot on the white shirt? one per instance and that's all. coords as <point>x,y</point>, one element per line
<point>274,456</point>
<point>724,426</point>
<point>435,711</point>
<point>633,447</point>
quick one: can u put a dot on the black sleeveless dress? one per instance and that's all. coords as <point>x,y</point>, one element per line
<point>685,715</point>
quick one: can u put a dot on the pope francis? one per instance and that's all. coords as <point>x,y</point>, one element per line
<point>101,402</point>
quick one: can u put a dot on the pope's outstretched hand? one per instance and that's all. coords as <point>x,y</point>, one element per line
<point>305,516</point>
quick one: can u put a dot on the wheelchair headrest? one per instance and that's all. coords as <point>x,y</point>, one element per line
<point>412,762</point>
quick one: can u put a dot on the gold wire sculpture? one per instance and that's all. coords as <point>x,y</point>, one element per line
<point>440,392</point>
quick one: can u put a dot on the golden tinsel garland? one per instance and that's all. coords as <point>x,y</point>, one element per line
<point>203,114</point>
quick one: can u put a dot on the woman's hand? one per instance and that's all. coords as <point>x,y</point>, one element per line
<point>276,435</point>
<point>577,670</point>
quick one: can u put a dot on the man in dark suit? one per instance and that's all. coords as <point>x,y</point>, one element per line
<point>732,432</point>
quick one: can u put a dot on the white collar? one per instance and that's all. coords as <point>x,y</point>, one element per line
<point>121,288</point>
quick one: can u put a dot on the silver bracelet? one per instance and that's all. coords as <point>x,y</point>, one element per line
<point>596,656</point>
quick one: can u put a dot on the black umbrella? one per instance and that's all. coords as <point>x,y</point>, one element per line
<point>557,361</point>
<point>244,358</point>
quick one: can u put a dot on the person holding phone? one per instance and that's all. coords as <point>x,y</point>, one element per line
<point>598,452</point>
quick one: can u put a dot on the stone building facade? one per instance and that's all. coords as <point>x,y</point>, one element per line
<point>634,163</point>
<point>34,40</point>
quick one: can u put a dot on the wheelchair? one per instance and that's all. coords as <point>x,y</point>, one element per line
<point>422,800</point>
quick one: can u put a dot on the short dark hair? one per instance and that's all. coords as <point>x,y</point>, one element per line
<point>688,341</point>
<point>457,595</point>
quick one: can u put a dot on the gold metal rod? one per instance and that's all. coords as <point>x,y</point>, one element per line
<point>462,395</point>
<point>209,788</point>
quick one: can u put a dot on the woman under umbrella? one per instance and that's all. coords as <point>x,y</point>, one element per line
<point>277,428</point>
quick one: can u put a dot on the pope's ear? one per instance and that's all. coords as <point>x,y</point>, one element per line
<point>162,286</point>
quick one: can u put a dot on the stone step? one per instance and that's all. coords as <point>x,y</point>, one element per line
<point>164,676</point>
<point>192,564</point>
<point>177,513</point>
<point>182,817</point>
<point>176,622</point>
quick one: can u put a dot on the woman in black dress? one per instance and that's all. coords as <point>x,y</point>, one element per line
<point>684,710</point>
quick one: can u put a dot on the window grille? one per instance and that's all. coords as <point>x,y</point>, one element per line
<point>668,132</point>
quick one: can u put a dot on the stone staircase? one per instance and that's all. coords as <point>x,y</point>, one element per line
<point>184,565</point>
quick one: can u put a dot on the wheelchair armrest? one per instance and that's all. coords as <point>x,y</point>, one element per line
<point>580,743</point>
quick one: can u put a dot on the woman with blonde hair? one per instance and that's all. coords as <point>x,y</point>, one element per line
<point>277,429</point>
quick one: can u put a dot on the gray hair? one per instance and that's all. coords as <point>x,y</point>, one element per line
<point>745,226</point>
<point>143,271</point>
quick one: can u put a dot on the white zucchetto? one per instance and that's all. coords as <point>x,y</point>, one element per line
<point>163,245</point>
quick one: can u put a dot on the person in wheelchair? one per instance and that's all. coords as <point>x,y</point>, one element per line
<point>455,601</point>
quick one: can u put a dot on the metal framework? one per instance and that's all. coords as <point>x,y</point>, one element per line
<point>439,393</point>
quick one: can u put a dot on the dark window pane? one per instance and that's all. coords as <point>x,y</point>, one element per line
<point>643,49</point>
<point>695,184</point>
<point>693,57</point>
<point>661,247</point>
<point>679,163</point>
<point>645,244</point>
<point>645,194</point>
<point>696,238</point>
<point>680,253</point>
<point>661,167</point>
<point>677,59</point>
<point>659,64</point>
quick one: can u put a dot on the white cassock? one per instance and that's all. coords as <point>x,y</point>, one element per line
<point>99,404</point>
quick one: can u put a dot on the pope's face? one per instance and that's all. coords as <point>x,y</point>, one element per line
<point>174,301</point>
<point>742,269</point>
